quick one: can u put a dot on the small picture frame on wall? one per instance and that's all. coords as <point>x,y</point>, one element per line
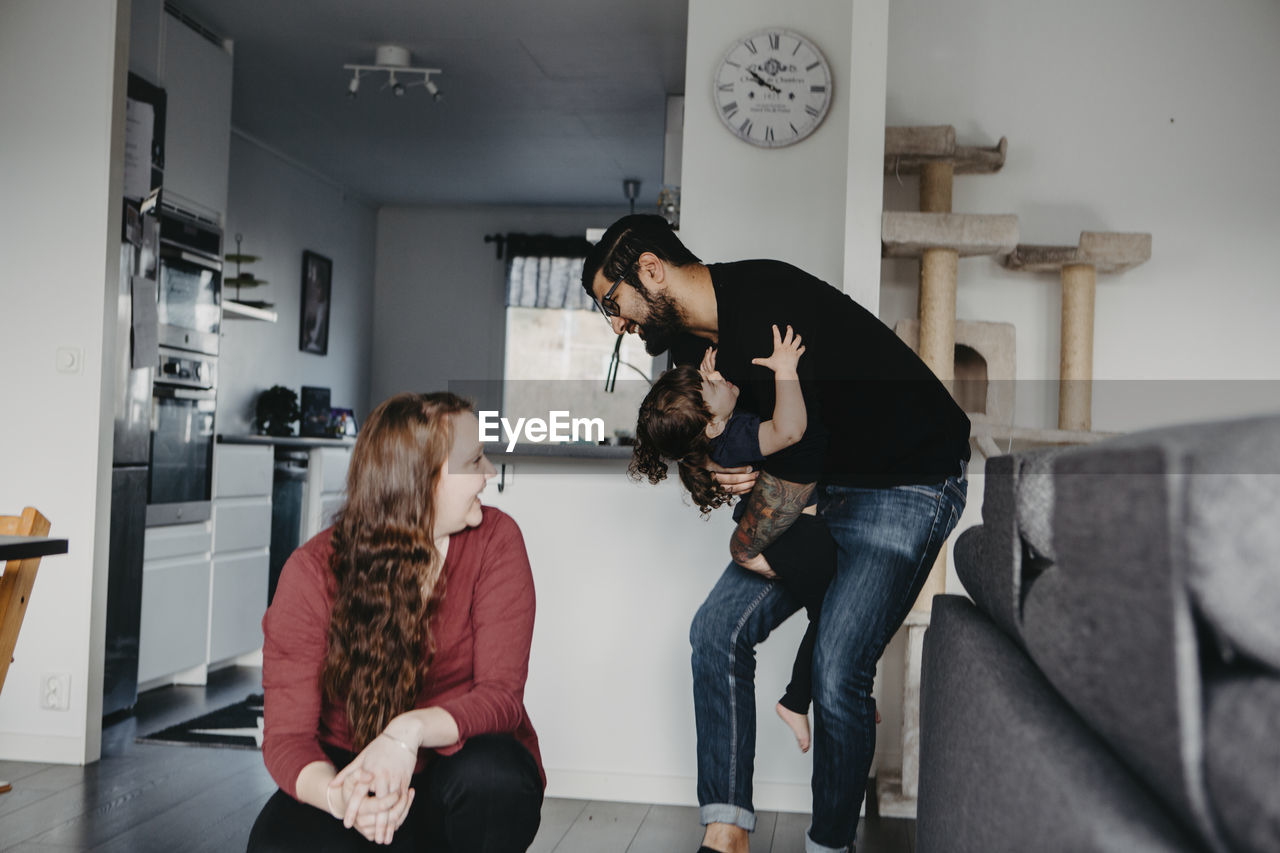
<point>317,278</point>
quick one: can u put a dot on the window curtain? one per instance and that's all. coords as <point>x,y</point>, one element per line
<point>546,272</point>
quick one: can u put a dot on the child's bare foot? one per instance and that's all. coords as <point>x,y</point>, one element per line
<point>877,716</point>
<point>798,723</point>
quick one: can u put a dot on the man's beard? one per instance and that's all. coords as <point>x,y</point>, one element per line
<point>663,324</point>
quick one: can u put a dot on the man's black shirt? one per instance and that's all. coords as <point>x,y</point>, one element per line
<point>877,414</point>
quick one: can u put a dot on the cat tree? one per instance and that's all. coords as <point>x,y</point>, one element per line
<point>939,238</point>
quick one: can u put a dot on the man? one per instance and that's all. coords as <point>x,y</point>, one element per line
<point>887,447</point>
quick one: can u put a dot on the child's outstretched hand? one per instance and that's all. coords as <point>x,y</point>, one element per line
<point>708,365</point>
<point>787,350</point>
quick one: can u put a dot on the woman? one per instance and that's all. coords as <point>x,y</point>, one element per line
<point>395,655</point>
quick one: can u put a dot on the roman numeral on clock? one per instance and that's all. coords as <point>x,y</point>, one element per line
<point>725,87</point>
<point>774,40</point>
<point>729,109</point>
<point>817,88</point>
<point>745,127</point>
<point>751,46</point>
<point>811,110</point>
<point>768,133</point>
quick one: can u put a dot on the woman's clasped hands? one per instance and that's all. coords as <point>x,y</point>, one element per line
<point>372,793</point>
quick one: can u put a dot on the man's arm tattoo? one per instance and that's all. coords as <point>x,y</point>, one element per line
<point>772,507</point>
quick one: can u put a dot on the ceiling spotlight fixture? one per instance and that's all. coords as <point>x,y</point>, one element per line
<point>394,60</point>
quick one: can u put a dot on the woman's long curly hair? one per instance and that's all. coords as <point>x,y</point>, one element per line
<point>387,573</point>
<point>672,424</point>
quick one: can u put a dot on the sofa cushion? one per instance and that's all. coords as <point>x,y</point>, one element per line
<point>1111,624</point>
<point>1005,764</point>
<point>988,557</point>
<point>1223,501</point>
<point>1231,531</point>
<point>1243,757</point>
<point>1035,501</point>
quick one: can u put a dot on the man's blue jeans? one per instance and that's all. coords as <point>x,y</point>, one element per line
<point>888,540</point>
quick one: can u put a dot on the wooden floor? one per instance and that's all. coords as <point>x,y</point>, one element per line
<point>150,797</point>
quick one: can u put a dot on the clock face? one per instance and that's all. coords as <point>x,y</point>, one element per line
<point>772,88</point>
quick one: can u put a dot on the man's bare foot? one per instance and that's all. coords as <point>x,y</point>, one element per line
<point>798,723</point>
<point>877,716</point>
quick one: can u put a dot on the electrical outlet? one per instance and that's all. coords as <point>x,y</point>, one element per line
<point>55,691</point>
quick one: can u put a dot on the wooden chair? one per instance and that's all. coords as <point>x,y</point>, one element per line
<point>15,587</point>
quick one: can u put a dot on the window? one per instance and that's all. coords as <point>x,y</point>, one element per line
<point>559,348</point>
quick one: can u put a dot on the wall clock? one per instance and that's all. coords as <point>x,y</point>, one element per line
<point>772,88</point>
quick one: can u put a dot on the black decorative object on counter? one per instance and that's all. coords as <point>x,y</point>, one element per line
<point>315,411</point>
<point>276,411</point>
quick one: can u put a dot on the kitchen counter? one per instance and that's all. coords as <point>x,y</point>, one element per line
<point>287,441</point>
<point>498,454</point>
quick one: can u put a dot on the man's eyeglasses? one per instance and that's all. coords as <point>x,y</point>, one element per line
<point>607,304</point>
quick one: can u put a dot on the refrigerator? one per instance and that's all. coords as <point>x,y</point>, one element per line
<point>134,363</point>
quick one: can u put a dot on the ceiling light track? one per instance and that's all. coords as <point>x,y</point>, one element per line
<point>394,61</point>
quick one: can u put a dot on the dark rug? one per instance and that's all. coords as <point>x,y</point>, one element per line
<point>237,726</point>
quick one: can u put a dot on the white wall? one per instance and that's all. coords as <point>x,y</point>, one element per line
<point>815,204</point>
<point>1140,116</point>
<point>439,308</point>
<point>62,134</point>
<point>282,209</point>
<point>740,201</point>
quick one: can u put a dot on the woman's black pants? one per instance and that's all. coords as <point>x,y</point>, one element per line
<point>485,798</point>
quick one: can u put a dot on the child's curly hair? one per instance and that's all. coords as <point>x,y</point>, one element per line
<point>672,425</point>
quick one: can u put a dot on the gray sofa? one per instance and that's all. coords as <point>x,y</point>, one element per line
<point>1115,682</point>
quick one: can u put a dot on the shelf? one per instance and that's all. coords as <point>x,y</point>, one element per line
<point>907,234</point>
<point>998,439</point>
<point>908,150</point>
<point>232,310</point>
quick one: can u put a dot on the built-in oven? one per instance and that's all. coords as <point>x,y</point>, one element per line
<point>180,486</point>
<point>189,301</point>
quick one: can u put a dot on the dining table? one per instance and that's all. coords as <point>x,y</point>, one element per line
<point>26,547</point>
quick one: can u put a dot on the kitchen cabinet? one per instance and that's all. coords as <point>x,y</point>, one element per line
<point>174,633</point>
<point>204,586</point>
<point>196,73</point>
<point>241,550</point>
<point>146,21</point>
<point>325,489</point>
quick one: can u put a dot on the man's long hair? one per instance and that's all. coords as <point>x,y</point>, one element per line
<point>672,425</point>
<point>387,573</point>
